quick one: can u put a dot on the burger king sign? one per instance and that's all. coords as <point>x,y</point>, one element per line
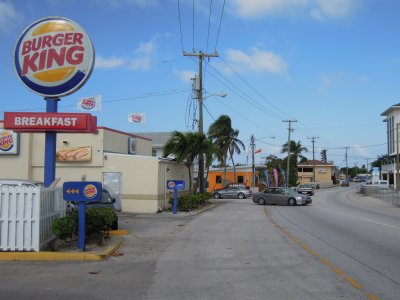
<point>54,57</point>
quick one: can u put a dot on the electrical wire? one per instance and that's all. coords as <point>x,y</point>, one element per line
<point>219,26</point>
<point>209,25</point>
<point>180,26</point>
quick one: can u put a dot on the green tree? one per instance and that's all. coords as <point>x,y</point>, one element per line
<point>225,139</point>
<point>184,147</point>
<point>234,147</point>
<point>296,150</point>
<point>220,133</point>
<point>324,156</point>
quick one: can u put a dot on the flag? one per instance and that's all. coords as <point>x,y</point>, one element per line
<point>267,183</point>
<point>89,103</point>
<point>276,177</point>
<point>284,176</point>
<point>257,151</point>
<point>136,118</point>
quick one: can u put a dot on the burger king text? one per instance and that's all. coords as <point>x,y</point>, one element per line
<point>39,52</point>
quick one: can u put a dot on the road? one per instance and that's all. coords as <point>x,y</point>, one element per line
<point>341,247</point>
<point>355,234</point>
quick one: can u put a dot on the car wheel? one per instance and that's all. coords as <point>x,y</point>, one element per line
<point>241,196</point>
<point>217,196</point>
<point>261,201</point>
<point>291,202</point>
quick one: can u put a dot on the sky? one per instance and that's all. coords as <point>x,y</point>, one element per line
<point>331,65</point>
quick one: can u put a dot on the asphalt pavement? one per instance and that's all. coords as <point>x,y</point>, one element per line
<point>232,251</point>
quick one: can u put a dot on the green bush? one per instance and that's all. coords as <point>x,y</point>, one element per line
<point>98,220</point>
<point>189,202</point>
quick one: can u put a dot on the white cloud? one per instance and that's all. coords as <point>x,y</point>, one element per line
<point>109,63</point>
<point>254,8</point>
<point>139,3</point>
<point>258,60</point>
<point>141,60</point>
<point>8,16</point>
<point>324,9</point>
<point>185,75</point>
<point>317,9</point>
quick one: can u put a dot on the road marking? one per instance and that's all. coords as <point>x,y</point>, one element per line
<point>354,283</point>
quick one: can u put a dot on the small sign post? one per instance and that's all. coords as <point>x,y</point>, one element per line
<point>176,185</point>
<point>82,192</point>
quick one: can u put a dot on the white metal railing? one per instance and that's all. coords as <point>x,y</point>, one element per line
<point>26,215</point>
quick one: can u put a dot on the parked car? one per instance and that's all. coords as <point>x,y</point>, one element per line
<point>105,201</point>
<point>305,189</point>
<point>233,192</point>
<point>20,183</point>
<point>280,196</point>
<point>344,182</point>
<point>382,184</point>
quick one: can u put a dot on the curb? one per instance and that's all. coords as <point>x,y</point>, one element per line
<point>62,256</point>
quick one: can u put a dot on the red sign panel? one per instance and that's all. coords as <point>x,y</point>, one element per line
<point>60,122</point>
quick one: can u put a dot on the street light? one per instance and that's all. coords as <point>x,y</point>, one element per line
<point>201,131</point>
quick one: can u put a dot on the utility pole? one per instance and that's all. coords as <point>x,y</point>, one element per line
<point>397,157</point>
<point>288,158</point>
<point>201,56</point>
<point>253,166</point>
<point>347,168</point>
<point>313,155</point>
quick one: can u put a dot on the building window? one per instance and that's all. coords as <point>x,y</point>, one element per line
<point>240,179</point>
<point>218,179</point>
<point>305,170</point>
<point>154,152</point>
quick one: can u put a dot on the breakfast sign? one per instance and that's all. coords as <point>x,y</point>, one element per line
<point>53,57</point>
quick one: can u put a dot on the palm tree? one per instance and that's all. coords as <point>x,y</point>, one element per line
<point>234,147</point>
<point>295,150</point>
<point>184,147</point>
<point>295,154</point>
<point>225,138</point>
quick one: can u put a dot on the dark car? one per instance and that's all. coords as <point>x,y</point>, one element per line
<point>105,201</point>
<point>344,182</point>
<point>280,196</point>
<point>233,192</point>
<point>305,189</point>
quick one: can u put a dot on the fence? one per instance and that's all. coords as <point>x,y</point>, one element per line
<point>387,195</point>
<point>26,215</point>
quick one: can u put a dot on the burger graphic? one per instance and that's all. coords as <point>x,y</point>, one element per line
<point>54,57</point>
<point>90,191</point>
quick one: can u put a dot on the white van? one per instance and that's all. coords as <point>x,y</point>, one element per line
<point>20,183</point>
<point>383,184</point>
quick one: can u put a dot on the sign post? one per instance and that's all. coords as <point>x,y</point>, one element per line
<point>82,192</point>
<point>176,185</point>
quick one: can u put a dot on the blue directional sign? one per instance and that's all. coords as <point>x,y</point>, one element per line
<point>82,191</point>
<point>176,185</point>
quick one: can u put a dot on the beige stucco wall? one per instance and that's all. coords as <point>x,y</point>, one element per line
<point>143,176</point>
<point>320,175</point>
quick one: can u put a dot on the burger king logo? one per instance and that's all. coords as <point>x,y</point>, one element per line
<point>54,57</point>
<point>6,141</point>
<point>171,184</point>
<point>88,103</point>
<point>90,191</point>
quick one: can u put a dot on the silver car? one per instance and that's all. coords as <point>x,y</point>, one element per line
<point>280,196</point>
<point>233,192</point>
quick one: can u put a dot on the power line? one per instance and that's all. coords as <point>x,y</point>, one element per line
<point>180,24</point>
<point>219,27</point>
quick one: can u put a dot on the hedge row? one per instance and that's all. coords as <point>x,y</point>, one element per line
<point>189,202</point>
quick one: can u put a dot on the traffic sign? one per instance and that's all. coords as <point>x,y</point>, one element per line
<point>82,191</point>
<point>176,185</point>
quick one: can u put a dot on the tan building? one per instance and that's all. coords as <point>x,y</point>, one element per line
<point>322,171</point>
<point>123,162</point>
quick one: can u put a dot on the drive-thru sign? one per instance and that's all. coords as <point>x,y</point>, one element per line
<point>82,192</point>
